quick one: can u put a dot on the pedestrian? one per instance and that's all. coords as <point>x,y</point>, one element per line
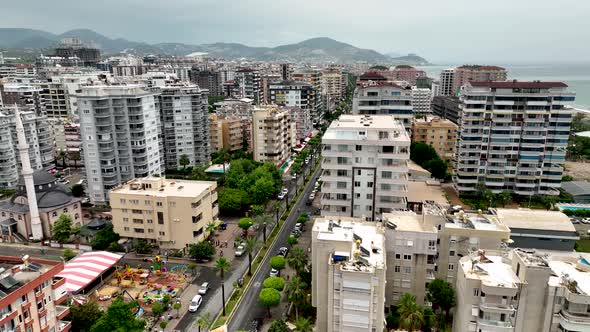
<point>221,253</point>
<point>226,243</point>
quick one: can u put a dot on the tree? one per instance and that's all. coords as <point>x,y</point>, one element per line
<point>245,224</point>
<point>277,283</point>
<point>504,198</point>
<point>104,238</point>
<point>63,155</point>
<point>119,317</point>
<point>278,326</point>
<point>262,190</point>
<point>62,229</point>
<point>77,190</point>
<point>437,167</point>
<point>262,221</point>
<point>199,174</point>
<point>184,161</point>
<point>232,201</point>
<point>203,321</point>
<point>296,292</point>
<point>163,324</point>
<point>567,178</point>
<point>83,316</point>
<point>549,201</point>
<point>297,259</point>
<point>420,153</point>
<point>68,254</point>
<point>303,325</point>
<point>177,305</point>
<point>269,297</point>
<point>250,246</point>
<point>192,267</point>
<point>211,229</point>
<point>222,265</point>
<point>411,314</point>
<point>75,156</point>
<point>277,263</point>
<point>141,246</point>
<point>292,240</point>
<point>257,210</point>
<point>201,251</point>
<point>157,308</point>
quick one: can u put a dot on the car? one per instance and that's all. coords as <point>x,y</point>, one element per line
<point>299,227</point>
<point>63,181</point>
<point>306,161</point>
<point>575,221</point>
<point>255,325</point>
<point>281,195</point>
<point>296,233</point>
<point>283,251</point>
<point>274,273</point>
<point>239,251</point>
<point>223,226</point>
<point>294,176</point>
<point>585,221</point>
<point>204,288</point>
<point>311,198</point>
<point>195,303</point>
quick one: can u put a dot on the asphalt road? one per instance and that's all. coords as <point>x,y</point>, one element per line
<point>249,308</point>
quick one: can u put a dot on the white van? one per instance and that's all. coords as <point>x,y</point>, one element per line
<point>195,303</point>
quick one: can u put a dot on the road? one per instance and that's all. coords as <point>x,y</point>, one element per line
<point>249,308</point>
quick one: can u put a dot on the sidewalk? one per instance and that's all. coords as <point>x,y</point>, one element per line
<point>185,299</point>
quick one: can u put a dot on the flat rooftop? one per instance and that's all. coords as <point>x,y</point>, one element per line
<point>535,219</point>
<point>16,272</point>
<point>475,221</point>
<point>419,191</point>
<point>161,187</point>
<point>490,269</point>
<point>367,127</point>
<point>407,221</point>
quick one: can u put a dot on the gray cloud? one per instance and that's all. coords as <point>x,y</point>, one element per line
<point>442,31</point>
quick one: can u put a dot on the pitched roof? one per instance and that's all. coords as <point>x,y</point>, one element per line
<point>576,188</point>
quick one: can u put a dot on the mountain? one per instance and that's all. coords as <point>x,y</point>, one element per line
<point>320,49</point>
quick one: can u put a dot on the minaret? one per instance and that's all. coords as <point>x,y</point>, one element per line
<point>27,172</point>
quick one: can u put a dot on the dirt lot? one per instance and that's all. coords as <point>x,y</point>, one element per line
<point>578,170</point>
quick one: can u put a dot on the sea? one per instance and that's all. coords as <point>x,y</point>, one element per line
<point>576,76</point>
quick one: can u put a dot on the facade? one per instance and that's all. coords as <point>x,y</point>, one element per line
<point>405,73</point>
<point>34,297</point>
<point>513,136</point>
<point>332,84</point>
<point>291,93</point>
<point>383,98</point>
<point>169,213</point>
<point>274,134</point>
<point>248,82</point>
<point>302,119</point>
<point>207,79</point>
<point>421,101</point>
<point>227,132</point>
<point>183,111</point>
<point>365,166</point>
<point>447,79</point>
<point>439,133</point>
<point>120,127</point>
<point>313,77</point>
<point>477,73</point>
<point>348,275</point>
<point>447,108</point>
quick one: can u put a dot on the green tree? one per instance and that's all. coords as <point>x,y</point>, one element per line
<point>278,263</point>
<point>504,198</point>
<point>63,155</point>
<point>278,326</point>
<point>201,251</point>
<point>157,308</point>
<point>441,294</point>
<point>222,265</point>
<point>262,190</point>
<point>203,321</point>
<point>269,297</point>
<point>292,240</point>
<point>250,246</point>
<point>199,174</point>
<point>277,283</point>
<point>411,314</point>
<point>184,161</point>
<point>141,246</point>
<point>245,224</point>
<point>437,167</point>
<point>567,178</point>
<point>77,190</point>
<point>297,259</point>
<point>192,267</point>
<point>163,324</point>
<point>257,210</point>
<point>296,292</point>
<point>75,157</point>
<point>62,229</point>
<point>232,201</point>
<point>104,238</point>
<point>303,325</point>
<point>68,254</point>
<point>177,306</point>
<point>262,221</point>
<point>420,153</point>
<point>83,316</point>
<point>119,317</point>
<point>211,229</point>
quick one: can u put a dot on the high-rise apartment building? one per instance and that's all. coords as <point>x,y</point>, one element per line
<point>332,83</point>
<point>383,98</point>
<point>273,134</point>
<point>365,166</point>
<point>447,108</point>
<point>477,73</point>
<point>348,275</point>
<point>447,79</point>
<point>302,118</point>
<point>248,81</point>
<point>291,93</point>
<point>312,76</point>
<point>207,79</point>
<point>405,73</point>
<point>421,101</point>
<point>120,125</point>
<point>439,133</point>
<point>513,136</point>
<point>183,111</point>
<point>169,213</point>
<point>228,132</point>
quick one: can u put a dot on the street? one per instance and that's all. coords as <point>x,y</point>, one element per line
<point>249,308</point>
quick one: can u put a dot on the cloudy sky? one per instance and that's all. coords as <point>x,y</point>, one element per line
<point>443,31</point>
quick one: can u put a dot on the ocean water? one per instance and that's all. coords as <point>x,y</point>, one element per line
<point>577,76</point>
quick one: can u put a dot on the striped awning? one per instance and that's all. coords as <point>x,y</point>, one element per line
<point>85,268</point>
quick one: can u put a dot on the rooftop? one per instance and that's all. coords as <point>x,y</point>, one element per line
<point>481,67</point>
<point>475,221</point>
<point>434,121</point>
<point>577,188</point>
<point>431,191</point>
<point>16,272</point>
<point>407,221</point>
<point>363,127</point>
<point>491,270</point>
<point>161,187</point>
<point>519,84</point>
<point>535,219</point>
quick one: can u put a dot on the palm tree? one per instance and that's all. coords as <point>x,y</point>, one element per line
<point>75,157</point>
<point>211,228</point>
<point>222,265</point>
<point>262,221</point>
<point>203,321</point>
<point>277,210</point>
<point>411,314</point>
<point>297,259</point>
<point>63,155</point>
<point>250,246</point>
<point>184,161</point>
<point>303,325</point>
<point>295,291</point>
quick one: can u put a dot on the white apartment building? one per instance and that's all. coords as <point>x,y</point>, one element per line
<point>513,136</point>
<point>120,125</point>
<point>365,166</point>
<point>435,89</point>
<point>384,98</point>
<point>522,291</point>
<point>421,98</point>
<point>332,83</point>
<point>183,111</point>
<point>249,84</point>
<point>291,93</point>
<point>312,76</point>
<point>274,134</point>
<point>447,78</point>
<point>348,275</point>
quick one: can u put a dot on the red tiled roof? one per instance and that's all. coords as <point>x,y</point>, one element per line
<point>479,67</point>
<point>519,84</point>
<point>372,76</point>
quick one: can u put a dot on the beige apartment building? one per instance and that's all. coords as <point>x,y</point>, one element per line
<point>439,133</point>
<point>348,275</point>
<point>274,134</point>
<point>169,213</point>
<point>226,133</point>
<point>477,73</point>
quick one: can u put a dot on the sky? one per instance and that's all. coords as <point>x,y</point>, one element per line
<point>442,31</point>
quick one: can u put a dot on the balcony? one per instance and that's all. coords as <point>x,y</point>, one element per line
<point>574,322</point>
<point>495,325</point>
<point>503,306</point>
<point>64,326</point>
<point>61,311</point>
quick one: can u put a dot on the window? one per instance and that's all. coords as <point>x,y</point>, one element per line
<point>54,214</point>
<point>172,204</point>
<point>451,267</point>
<point>397,268</point>
<point>126,229</point>
<point>406,283</point>
<point>383,135</point>
<point>158,203</point>
<point>138,230</point>
<point>198,232</point>
<point>407,257</point>
<point>137,221</point>
<point>476,292</point>
<point>408,269</point>
<point>386,174</point>
<point>341,185</point>
<point>431,245</point>
<point>370,184</point>
<point>359,148</point>
<point>341,172</point>
<point>150,230</point>
<point>149,221</point>
<point>452,253</point>
<point>162,233</point>
<point>369,196</point>
<point>398,256</point>
<point>195,204</point>
<point>161,218</point>
<point>357,183</point>
<point>197,218</point>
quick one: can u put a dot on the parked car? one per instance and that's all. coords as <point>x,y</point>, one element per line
<point>63,181</point>
<point>295,233</point>
<point>283,251</point>
<point>204,288</point>
<point>239,251</point>
<point>311,198</point>
<point>283,193</point>
<point>294,176</point>
<point>223,226</point>
<point>195,303</point>
<point>274,273</point>
<point>255,325</point>
<point>299,227</point>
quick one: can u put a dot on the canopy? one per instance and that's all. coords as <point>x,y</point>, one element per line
<point>84,269</point>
